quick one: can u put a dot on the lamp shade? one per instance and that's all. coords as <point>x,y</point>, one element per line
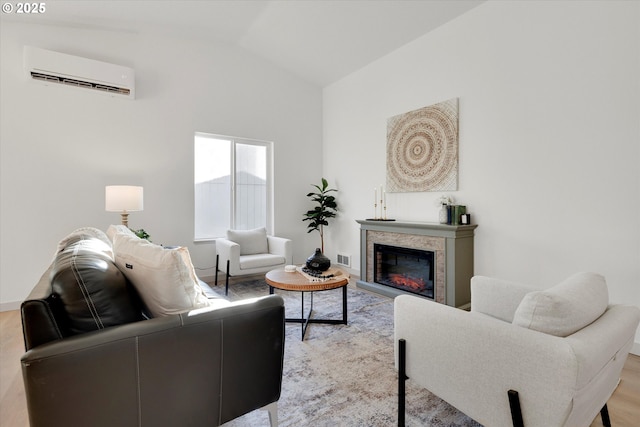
<point>119,198</point>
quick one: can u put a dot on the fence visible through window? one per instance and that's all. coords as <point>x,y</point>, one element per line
<point>232,179</point>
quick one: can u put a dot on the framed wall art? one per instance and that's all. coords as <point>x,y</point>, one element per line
<point>422,149</point>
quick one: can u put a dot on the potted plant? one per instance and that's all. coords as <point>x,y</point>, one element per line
<point>141,234</point>
<point>326,207</point>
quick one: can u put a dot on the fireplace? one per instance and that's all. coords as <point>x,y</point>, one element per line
<point>449,254</point>
<point>406,269</point>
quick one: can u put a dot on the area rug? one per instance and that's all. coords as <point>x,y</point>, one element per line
<point>343,375</point>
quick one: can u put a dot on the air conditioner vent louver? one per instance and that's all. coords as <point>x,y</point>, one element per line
<point>45,77</point>
<point>53,67</point>
<point>72,82</point>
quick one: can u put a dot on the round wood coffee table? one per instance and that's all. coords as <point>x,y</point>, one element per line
<point>296,281</point>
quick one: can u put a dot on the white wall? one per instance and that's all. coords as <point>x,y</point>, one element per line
<point>549,137</point>
<point>60,146</point>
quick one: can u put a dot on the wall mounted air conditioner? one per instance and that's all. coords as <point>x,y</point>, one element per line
<point>51,67</point>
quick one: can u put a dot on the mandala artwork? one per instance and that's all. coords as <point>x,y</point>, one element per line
<point>422,149</point>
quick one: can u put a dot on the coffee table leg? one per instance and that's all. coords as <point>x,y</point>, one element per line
<point>344,304</point>
<point>304,321</point>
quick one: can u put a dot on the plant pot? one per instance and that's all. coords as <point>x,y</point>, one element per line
<point>318,262</point>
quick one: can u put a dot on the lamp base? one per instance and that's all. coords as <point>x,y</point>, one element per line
<point>125,219</point>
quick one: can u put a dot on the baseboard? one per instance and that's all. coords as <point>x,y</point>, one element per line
<point>9,306</point>
<point>635,349</point>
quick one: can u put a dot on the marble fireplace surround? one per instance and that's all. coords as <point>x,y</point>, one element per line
<point>452,245</point>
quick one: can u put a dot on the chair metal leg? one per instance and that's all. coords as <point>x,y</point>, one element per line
<point>402,378</point>
<point>604,414</point>
<point>217,261</point>
<point>226,286</point>
<point>516,411</point>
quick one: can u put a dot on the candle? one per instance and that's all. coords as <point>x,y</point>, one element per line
<point>384,205</point>
<point>375,203</point>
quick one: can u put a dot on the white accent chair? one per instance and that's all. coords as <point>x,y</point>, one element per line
<point>246,252</point>
<point>521,356</point>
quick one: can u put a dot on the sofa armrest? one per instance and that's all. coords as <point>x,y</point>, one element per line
<point>497,298</point>
<point>447,352</point>
<point>253,358</point>
<point>281,246</point>
<point>210,365</point>
<point>227,250</point>
<point>43,310</point>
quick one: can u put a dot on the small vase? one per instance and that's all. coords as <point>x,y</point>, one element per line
<point>318,262</point>
<point>443,215</point>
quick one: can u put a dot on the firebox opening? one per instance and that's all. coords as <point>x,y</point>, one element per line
<point>407,269</point>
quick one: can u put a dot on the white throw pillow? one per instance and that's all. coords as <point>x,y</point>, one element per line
<point>164,278</point>
<point>251,241</point>
<point>565,308</point>
<point>119,229</point>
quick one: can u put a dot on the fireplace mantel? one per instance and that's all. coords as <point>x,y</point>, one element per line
<point>452,244</point>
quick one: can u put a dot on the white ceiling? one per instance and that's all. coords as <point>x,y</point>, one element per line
<point>319,40</point>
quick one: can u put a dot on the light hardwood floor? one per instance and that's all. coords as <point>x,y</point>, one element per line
<point>624,405</point>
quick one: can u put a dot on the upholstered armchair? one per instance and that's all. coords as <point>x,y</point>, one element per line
<point>521,356</point>
<point>246,252</point>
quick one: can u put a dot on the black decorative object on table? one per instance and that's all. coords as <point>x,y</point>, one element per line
<point>318,262</point>
<point>317,274</point>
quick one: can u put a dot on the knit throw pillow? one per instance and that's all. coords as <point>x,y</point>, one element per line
<point>565,308</point>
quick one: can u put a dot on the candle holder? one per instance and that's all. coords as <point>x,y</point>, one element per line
<point>383,207</point>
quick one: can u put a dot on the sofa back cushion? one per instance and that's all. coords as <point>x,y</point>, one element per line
<point>85,233</point>
<point>93,292</point>
<point>251,241</point>
<point>565,308</point>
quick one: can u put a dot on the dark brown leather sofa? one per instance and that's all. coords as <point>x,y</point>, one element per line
<point>199,368</point>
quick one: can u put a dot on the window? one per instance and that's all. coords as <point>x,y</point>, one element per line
<point>232,179</point>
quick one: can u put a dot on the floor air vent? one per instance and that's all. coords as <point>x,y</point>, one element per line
<point>344,260</point>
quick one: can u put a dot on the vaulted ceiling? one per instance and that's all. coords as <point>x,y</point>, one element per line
<point>319,40</point>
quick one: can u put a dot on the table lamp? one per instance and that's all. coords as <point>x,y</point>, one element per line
<point>123,199</point>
